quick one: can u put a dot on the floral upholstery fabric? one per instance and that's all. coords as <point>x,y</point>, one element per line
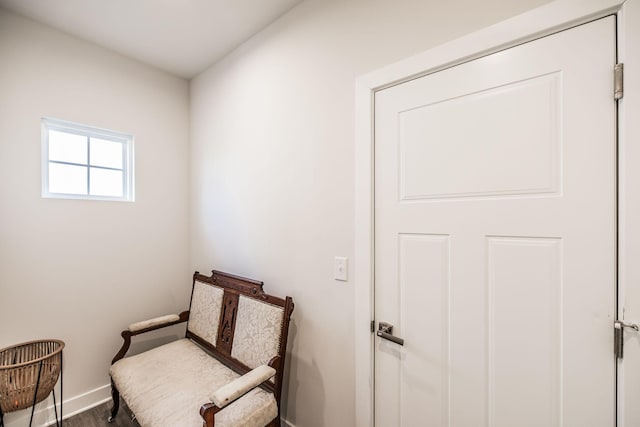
<point>138,326</point>
<point>166,386</point>
<point>204,315</point>
<point>257,334</point>
<point>238,387</point>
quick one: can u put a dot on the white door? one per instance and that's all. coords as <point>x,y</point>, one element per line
<point>495,239</point>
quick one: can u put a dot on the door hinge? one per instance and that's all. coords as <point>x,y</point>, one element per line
<point>618,336</point>
<point>618,81</point>
<point>373,326</point>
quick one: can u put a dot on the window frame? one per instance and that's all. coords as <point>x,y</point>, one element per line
<point>127,141</point>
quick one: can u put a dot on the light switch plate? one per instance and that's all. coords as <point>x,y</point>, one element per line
<point>340,268</point>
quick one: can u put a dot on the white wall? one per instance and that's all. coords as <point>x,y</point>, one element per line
<point>79,270</point>
<point>272,155</point>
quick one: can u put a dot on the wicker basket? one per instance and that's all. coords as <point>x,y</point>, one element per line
<point>20,367</point>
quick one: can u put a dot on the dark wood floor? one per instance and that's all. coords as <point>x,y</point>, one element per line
<point>97,417</point>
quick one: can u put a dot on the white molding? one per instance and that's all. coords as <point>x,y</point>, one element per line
<point>629,212</point>
<point>286,423</point>
<point>44,414</point>
<point>545,20</point>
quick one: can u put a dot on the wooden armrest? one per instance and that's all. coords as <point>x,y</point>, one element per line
<point>236,389</point>
<point>241,385</point>
<point>146,326</point>
<point>156,323</point>
<point>150,323</point>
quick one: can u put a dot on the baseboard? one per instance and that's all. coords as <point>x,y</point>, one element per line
<point>285,423</point>
<point>44,414</point>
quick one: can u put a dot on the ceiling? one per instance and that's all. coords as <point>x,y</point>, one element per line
<point>182,37</point>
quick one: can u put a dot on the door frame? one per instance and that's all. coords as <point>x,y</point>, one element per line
<point>539,22</point>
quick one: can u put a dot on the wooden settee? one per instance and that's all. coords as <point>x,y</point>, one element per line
<point>226,372</point>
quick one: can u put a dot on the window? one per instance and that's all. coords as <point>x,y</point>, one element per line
<point>83,162</point>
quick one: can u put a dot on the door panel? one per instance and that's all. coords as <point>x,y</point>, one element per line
<point>434,143</point>
<point>495,239</point>
<point>524,294</point>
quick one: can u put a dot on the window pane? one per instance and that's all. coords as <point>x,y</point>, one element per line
<point>106,153</point>
<point>106,182</point>
<point>67,147</point>
<point>67,179</point>
<point>81,161</point>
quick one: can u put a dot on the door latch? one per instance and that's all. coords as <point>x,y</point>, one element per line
<point>385,330</point>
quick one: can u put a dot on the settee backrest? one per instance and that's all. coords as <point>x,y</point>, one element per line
<point>204,311</point>
<point>238,323</point>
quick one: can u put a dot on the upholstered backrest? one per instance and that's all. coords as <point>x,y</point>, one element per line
<point>204,313</point>
<point>258,330</point>
<point>234,319</point>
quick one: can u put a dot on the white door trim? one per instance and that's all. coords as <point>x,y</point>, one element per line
<point>629,211</point>
<point>539,22</point>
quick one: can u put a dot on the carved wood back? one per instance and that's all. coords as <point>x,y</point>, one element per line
<point>232,301</point>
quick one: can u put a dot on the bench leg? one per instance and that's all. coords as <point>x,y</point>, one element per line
<point>115,396</point>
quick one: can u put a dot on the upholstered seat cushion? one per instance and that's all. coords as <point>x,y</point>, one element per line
<point>183,377</point>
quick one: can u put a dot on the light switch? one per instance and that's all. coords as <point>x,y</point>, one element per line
<point>340,269</point>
